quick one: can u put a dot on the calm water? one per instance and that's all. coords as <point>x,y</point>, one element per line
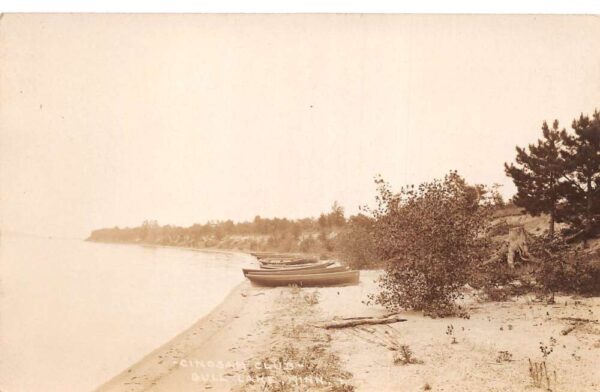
<point>73,314</point>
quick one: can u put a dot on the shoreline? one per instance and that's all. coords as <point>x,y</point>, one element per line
<point>203,323</point>
<point>161,360</point>
<point>258,326</point>
<point>176,247</point>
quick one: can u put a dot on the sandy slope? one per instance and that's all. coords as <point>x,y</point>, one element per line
<point>470,364</point>
<point>256,325</point>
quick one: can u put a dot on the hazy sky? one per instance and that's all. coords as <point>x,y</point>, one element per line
<point>110,120</point>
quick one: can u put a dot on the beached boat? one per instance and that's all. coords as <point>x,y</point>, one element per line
<point>327,270</point>
<point>279,262</point>
<point>304,280</point>
<point>284,266</point>
<point>267,255</point>
<point>290,263</point>
<point>318,266</point>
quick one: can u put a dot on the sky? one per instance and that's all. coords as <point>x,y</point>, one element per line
<point>109,120</point>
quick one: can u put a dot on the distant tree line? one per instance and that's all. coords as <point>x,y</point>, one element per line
<point>278,234</point>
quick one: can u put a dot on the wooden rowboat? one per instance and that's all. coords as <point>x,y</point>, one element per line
<point>264,255</point>
<point>303,272</point>
<point>304,280</point>
<point>285,265</point>
<point>288,262</point>
<point>292,266</point>
<point>319,266</point>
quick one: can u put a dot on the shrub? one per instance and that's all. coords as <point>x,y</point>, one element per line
<point>404,356</point>
<point>504,356</point>
<point>356,243</point>
<point>563,268</point>
<point>312,298</point>
<point>432,238</point>
<point>308,244</point>
<point>497,281</point>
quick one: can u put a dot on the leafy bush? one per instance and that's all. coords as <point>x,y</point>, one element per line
<point>356,243</point>
<point>499,282</point>
<point>563,268</point>
<point>432,238</point>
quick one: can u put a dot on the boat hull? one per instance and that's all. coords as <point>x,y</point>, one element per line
<point>301,272</point>
<point>290,269</point>
<point>280,262</point>
<point>293,267</point>
<point>306,280</point>
<point>271,255</point>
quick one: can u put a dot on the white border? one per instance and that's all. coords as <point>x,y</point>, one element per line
<point>309,6</point>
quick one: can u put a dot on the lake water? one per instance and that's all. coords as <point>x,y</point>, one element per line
<point>73,313</point>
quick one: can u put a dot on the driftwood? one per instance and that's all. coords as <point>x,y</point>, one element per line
<point>579,320</point>
<point>575,322</point>
<point>575,237</point>
<point>356,321</point>
<point>568,330</point>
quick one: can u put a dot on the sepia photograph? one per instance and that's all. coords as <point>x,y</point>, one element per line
<point>299,202</point>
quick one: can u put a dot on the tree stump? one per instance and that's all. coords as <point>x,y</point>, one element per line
<point>517,245</point>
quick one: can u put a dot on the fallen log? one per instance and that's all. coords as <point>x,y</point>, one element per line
<point>567,331</point>
<point>361,321</point>
<point>387,315</point>
<point>579,320</point>
<point>575,236</point>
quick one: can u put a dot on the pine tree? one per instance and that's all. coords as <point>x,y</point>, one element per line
<point>582,157</point>
<point>538,172</point>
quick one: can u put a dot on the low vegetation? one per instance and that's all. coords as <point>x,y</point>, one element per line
<point>312,298</point>
<point>540,378</point>
<point>503,356</point>
<point>405,356</point>
<point>298,354</point>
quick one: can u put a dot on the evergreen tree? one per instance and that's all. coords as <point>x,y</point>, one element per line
<point>582,158</point>
<point>537,174</point>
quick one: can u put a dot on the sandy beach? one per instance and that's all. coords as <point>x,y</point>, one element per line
<point>304,199</point>
<point>269,338</point>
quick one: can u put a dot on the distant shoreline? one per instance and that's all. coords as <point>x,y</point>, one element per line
<point>177,247</point>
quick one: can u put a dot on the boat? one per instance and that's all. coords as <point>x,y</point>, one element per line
<point>271,255</point>
<point>327,270</point>
<point>287,266</point>
<point>290,263</point>
<point>305,280</point>
<point>322,265</point>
